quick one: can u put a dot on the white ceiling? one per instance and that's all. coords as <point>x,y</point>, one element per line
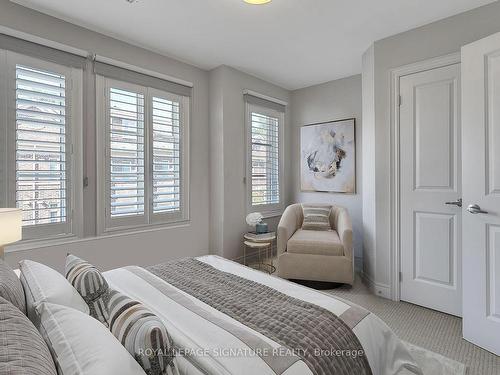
<point>293,43</point>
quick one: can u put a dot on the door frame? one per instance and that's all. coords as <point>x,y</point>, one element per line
<point>395,193</point>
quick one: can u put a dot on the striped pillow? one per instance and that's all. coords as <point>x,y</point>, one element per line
<point>91,285</point>
<point>316,217</point>
<point>142,333</point>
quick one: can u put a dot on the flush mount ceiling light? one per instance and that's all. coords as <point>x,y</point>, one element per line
<point>257,2</point>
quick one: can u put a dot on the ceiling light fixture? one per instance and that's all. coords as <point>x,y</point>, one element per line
<point>257,2</point>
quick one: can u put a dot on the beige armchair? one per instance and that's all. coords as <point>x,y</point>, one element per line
<point>315,255</point>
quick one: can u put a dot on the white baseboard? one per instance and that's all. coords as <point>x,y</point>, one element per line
<point>379,289</point>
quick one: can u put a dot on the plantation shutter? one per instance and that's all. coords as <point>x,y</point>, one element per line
<point>166,151</point>
<point>126,153</point>
<point>42,175</point>
<point>264,117</point>
<point>159,187</point>
<point>146,137</point>
<point>264,159</point>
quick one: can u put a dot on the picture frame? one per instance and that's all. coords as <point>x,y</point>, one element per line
<point>328,157</point>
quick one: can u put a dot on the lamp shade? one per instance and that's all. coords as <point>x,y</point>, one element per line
<point>257,2</point>
<point>11,222</point>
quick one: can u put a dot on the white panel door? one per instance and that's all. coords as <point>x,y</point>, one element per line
<point>430,177</point>
<point>481,183</point>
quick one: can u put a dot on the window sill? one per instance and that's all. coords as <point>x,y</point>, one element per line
<point>36,244</point>
<point>66,240</point>
<point>125,230</point>
<point>271,214</point>
<point>268,214</point>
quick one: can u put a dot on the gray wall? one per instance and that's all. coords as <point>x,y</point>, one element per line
<point>228,155</point>
<point>433,40</point>
<point>151,246</point>
<point>334,100</point>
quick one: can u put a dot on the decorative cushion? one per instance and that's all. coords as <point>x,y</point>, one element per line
<point>315,242</point>
<point>81,345</point>
<point>143,334</point>
<point>316,217</point>
<point>22,349</point>
<point>91,285</point>
<point>11,288</point>
<point>43,284</point>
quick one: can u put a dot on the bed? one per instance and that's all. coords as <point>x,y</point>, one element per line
<point>215,317</point>
<point>225,318</point>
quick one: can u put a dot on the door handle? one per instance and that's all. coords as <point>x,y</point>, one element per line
<point>475,209</point>
<point>457,203</point>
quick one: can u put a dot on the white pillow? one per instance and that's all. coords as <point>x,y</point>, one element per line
<point>43,284</point>
<point>81,345</point>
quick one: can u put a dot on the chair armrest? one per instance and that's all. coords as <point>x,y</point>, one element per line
<point>344,229</point>
<point>286,228</point>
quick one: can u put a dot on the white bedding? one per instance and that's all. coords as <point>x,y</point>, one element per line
<point>213,350</point>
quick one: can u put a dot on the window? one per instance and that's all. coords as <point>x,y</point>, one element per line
<point>265,159</point>
<point>144,144</point>
<point>42,103</point>
<point>264,174</point>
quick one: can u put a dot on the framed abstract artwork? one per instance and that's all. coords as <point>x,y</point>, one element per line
<point>328,157</point>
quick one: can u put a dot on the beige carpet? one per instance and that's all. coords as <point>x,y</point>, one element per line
<point>429,329</point>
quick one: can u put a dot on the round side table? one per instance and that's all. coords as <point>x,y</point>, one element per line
<point>261,243</point>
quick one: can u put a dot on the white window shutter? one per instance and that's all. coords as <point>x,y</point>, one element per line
<point>166,156</point>
<point>42,178</point>
<point>126,153</point>
<point>265,184</point>
<point>143,137</point>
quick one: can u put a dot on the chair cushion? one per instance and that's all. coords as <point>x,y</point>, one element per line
<point>22,349</point>
<point>315,242</point>
<point>11,288</point>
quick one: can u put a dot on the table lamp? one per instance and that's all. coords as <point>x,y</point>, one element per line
<point>10,227</point>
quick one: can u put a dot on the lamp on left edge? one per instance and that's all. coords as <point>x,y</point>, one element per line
<point>11,230</point>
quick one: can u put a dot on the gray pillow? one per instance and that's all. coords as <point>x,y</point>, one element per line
<point>22,349</point>
<point>11,288</point>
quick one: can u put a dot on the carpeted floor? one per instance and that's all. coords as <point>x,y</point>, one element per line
<point>429,329</point>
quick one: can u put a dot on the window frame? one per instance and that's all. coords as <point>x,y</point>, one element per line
<point>73,226</point>
<point>267,210</point>
<point>106,224</point>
